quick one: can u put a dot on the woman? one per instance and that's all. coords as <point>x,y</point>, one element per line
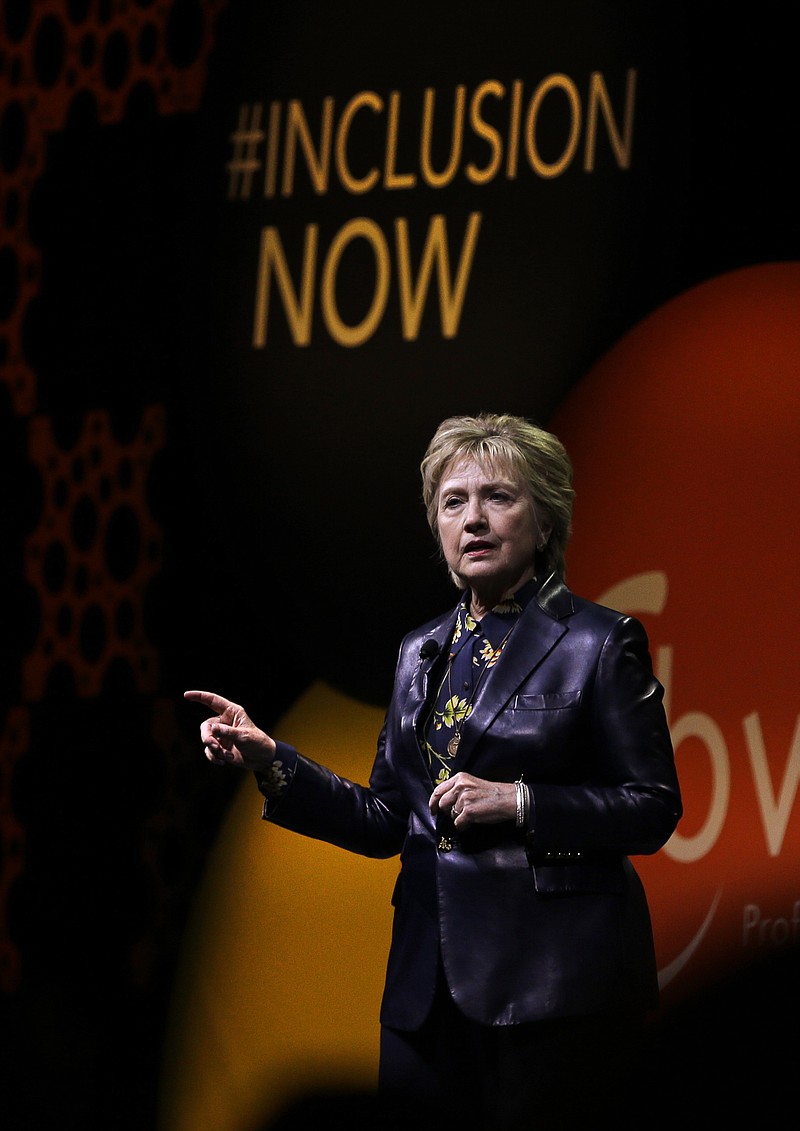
<point>525,755</point>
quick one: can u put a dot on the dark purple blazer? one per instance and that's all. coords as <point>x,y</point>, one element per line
<point>552,924</point>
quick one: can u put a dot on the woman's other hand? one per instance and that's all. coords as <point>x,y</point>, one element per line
<point>474,801</point>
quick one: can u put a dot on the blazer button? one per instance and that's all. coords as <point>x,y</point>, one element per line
<point>445,844</point>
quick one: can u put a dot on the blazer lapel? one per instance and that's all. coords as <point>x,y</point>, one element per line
<point>539,630</point>
<point>420,690</point>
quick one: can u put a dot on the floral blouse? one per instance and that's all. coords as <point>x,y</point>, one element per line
<point>475,649</point>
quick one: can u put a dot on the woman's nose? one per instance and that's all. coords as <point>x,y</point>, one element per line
<point>474,517</point>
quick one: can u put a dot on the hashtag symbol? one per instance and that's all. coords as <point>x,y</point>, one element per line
<point>245,141</point>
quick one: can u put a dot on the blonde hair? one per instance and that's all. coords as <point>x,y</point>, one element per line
<point>536,457</point>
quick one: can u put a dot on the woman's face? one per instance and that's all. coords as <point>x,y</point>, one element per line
<point>487,526</point>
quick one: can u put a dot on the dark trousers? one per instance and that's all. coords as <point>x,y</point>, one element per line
<point>545,1074</point>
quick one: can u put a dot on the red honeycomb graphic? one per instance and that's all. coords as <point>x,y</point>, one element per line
<point>96,546</point>
<point>93,554</point>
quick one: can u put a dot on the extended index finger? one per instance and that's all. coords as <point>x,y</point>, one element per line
<point>214,702</point>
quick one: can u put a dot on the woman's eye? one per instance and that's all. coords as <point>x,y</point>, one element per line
<point>451,502</point>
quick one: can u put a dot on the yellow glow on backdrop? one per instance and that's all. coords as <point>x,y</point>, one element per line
<point>284,964</point>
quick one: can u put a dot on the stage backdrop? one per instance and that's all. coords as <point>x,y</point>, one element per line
<point>251,254</point>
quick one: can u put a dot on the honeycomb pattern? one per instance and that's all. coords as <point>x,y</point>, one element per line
<point>93,554</point>
<point>95,547</point>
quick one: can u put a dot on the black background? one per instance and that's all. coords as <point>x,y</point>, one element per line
<point>287,488</point>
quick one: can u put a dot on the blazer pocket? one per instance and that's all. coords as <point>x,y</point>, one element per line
<point>574,879</point>
<point>546,701</point>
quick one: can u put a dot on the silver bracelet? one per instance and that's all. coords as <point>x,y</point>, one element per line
<point>522,803</point>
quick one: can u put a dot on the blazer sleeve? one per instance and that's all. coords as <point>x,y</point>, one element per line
<point>321,804</point>
<point>630,803</point>
<point>371,820</point>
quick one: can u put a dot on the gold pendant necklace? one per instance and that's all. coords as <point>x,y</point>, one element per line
<point>455,741</point>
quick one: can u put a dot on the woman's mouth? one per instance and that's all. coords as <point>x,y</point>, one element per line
<point>478,546</point>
